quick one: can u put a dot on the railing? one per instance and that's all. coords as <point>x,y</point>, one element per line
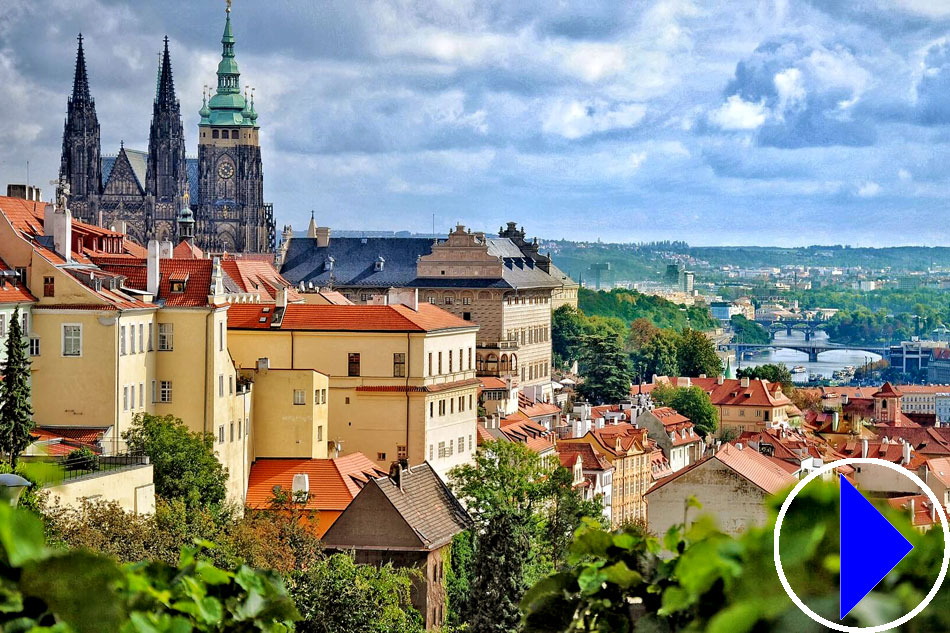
<point>501,345</point>
<point>78,465</point>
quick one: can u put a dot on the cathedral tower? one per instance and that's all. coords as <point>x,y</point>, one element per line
<point>81,164</point>
<point>231,214</point>
<point>166,179</point>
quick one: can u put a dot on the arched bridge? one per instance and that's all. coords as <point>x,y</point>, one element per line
<point>812,349</point>
<point>808,326</point>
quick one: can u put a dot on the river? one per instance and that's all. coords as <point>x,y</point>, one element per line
<point>827,363</point>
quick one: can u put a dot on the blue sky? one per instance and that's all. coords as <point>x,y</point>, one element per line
<point>774,122</point>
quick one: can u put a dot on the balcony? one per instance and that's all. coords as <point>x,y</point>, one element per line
<point>507,346</point>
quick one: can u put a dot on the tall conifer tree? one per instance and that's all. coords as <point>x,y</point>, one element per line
<point>16,413</point>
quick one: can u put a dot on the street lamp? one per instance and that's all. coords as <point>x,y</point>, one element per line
<point>11,487</point>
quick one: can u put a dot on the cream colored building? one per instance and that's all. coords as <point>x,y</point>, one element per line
<point>402,380</point>
<point>502,283</point>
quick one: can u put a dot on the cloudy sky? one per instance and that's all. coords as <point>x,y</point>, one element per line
<point>730,122</point>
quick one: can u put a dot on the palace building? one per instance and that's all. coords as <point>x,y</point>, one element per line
<point>140,193</point>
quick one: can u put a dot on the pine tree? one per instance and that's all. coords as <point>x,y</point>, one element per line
<point>16,413</point>
<point>500,557</point>
<point>606,370</point>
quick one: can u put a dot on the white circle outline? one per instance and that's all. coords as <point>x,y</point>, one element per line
<point>880,628</point>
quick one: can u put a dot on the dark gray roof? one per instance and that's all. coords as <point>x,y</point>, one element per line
<point>354,264</point>
<point>138,160</point>
<point>426,504</point>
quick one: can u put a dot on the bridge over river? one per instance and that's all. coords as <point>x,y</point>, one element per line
<point>811,348</point>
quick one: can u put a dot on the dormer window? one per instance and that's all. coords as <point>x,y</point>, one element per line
<point>378,266</point>
<point>178,283</point>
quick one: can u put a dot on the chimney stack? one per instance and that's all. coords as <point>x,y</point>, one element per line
<point>864,447</point>
<point>323,236</point>
<point>905,453</point>
<point>152,272</point>
<point>720,379</point>
<point>166,250</point>
<point>282,297</point>
<point>744,382</point>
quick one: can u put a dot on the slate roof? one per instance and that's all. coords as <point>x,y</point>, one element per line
<point>426,504</point>
<point>354,264</point>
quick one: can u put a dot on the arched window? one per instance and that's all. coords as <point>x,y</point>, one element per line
<point>504,363</point>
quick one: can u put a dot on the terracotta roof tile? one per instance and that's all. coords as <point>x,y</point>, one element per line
<point>346,318</point>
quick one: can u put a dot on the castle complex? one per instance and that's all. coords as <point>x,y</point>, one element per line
<point>142,193</point>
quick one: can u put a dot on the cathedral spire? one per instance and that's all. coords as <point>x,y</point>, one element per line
<point>81,80</point>
<point>165,94</point>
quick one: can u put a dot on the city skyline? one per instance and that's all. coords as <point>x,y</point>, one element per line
<point>679,121</point>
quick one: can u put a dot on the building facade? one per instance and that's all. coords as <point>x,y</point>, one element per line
<point>141,192</point>
<point>502,283</point>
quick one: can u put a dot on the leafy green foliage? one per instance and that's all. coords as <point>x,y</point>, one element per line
<point>772,373</point>
<point>709,581</point>
<point>747,331</point>
<point>335,595</point>
<point>692,402</point>
<point>458,578</point>
<point>82,459</point>
<point>79,591</point>
<point>16,412</point>
<point>523,506</point>
<point>184,462</point>
<point>567,329</point>
<point>606,370</point>
<point>696,355</point>
<point>629,305</point>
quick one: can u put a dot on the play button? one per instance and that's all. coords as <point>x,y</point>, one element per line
<point>870,547</point>
<point>860,573</point>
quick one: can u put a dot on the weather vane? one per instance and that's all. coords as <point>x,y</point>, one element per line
<point>229,6</point>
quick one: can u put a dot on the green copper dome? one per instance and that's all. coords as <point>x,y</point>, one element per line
<point>227,106</point>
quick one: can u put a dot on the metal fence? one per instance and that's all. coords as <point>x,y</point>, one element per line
<point>82,463</point>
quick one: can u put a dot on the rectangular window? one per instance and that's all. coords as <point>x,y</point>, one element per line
<point>440,363</point>
<point>470,401</point>
<point>430,364</point>
<point>450,361</point>
<point>132,391</point>
<point>141,337</point>
<point>466,316</point>
<point>231,385</point>
<point>48,287</point>
<point>316,397</point>
<point>431,409</point>
<point>141,395</point>
<point>451,405</point>
<point>132,339</point>
<point>466,301</point>
<point>221,434</point>
<point>239,429</point>
<point>125,398</point>
<point>381,457</point>
<point>220,385</point>
<point>353,365</point>
<point>441,449</point>
<point>72,340</point>
<point>402,452</point>
<point>461,443</point>
<point>451,450</point>
<point>320,433</point>
<point>154,391</point>
<point>232,431</point>
<point>323,396</point>
<point>221,336</point>
<point>399,365</point>
<point>151,326</point>
<point>469,358</point>
<point>469,443</point>
<point>166,337</point>
<point>165,391</point>
<point>300,396</point>
<point>122,340</point>
<point>3,325</point>
<point>431,452</point>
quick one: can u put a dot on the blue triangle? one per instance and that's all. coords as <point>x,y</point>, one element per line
<point>870,547</point>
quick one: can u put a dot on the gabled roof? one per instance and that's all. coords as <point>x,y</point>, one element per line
<point>887,390</point>
<point>749,464</point>
<point>11,290</point>
<point>526,431</point>
<point>345,318</point>
<point>426,504</point>
<point>592,460</point>
<point>254,276</point>
<point>731,393</point>
<point>333,481</point>
<point>196,273</point>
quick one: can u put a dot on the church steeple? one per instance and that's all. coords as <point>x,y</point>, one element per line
<point>228,106</point>
<point>80,163</point>
<point>166,175</point>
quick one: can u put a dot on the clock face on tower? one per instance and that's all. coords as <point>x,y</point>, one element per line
<point>225,170</point>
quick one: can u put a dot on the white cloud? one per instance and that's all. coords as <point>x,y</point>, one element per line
<point>574,119</point>
<point>905,175</point>
<point>869,189</point>
<point>790,89</point>
<point>593,62</point>
<point>736,114</point>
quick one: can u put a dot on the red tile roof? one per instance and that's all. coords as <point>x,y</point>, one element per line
<point>196,272</point>
<point>887,390</point>
<point>333,482</point>
<point>254,276</point>
<point>530,433</point>
<point>731,393</point>
<point>490,382</point>
<point>11,290</point>
<point>345,318</point>
<point>764,472</point>
<point>185,250</point>
<point>435,388</point>
<point>924,515</point>
<point>592,460</point>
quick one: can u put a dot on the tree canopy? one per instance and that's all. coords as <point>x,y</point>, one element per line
<point>606,369</point>
<point>691,402</point>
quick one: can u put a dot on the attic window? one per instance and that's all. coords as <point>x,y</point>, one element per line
<point>378,266</point>
<point>262,320</point>
<point>265,310</point>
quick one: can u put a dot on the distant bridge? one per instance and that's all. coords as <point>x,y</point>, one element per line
<point>812,349</point>
<point>808,326</point>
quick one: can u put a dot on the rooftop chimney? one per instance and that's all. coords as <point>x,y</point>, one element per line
<point>408,297</point>
<point>263,364</point>
<point>281,297</point>
<point>152,272</point>
<point>323,236</point>
<point>745,381</point>
<point>301,486</point>
<point>864,447</point>
<point>720,379</point>
<point>166,250</point>
<point>905,453</point>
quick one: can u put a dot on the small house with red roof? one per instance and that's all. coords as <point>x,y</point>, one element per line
<point>595,470</point>
<point>674,434</point>
<point>732,485</point>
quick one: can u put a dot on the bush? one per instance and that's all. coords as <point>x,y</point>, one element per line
<point>82,459</point>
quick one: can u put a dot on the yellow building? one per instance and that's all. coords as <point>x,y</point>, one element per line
<point>626,448</point>
<point>118,330</point>
<point>402,377</point>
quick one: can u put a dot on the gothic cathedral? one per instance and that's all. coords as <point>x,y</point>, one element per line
<point>143,193</point>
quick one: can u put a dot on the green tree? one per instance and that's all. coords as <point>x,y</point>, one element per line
<point>778,373</point>
<point>692,402</point>
<point>458,579</point>
<point>696,355</point>
<point>16,412</point>
<point>565,510</point>
<point>185,464</point>
<point>747,331</point>
<point>499,570</point>
<point>658,357</point>
<point>336,595</point>
<point>606,370</point>
<point>567,328</point>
